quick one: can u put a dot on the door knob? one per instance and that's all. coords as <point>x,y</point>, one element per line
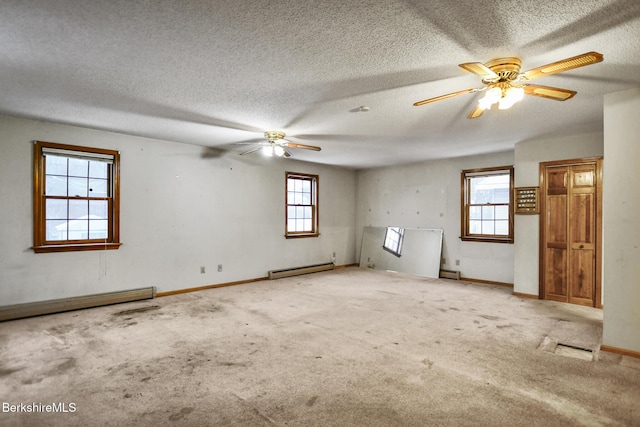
<point>581,246</point>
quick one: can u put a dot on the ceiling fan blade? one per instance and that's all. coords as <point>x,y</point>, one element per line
<point>477,112</point>
<point>548,92</point>
<point>250,151</point>
<point>286,153</point>
<point>479,69</point>
<point>248,141</point>
<point>564,65</point>
<point>449,95</point>
<point>306,147</point>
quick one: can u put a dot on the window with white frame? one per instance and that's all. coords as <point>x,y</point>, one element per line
<point>487,208</point>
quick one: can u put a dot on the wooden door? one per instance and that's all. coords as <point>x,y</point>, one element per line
<point>570,231</point>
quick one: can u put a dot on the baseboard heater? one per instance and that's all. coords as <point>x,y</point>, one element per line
<point>296,271</point>
<point>19,311</point>
<point>450,274</point>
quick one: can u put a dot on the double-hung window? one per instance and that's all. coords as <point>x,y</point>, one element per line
<point>76,198</point>
<point>302,205</point>
<point>487,207</point>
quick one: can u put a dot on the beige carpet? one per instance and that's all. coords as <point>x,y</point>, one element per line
<point>346,347</point>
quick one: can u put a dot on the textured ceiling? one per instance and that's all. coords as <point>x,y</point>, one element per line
<point>217,72</point>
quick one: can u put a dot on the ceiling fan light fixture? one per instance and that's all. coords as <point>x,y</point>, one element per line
<point>268,150</point>
<point>492,96</point>
<point>278,151</point>
<point>511,96</point>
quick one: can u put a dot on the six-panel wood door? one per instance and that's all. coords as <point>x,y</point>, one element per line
<point>570,232</point>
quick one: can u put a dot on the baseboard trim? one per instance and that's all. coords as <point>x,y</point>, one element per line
<point>521,295</point>
<point>486,282</point>
<point>41,308</point>
<point>222,285</point>
<point>346,266</point>
<point>622,351</point>
<point>203,288</point>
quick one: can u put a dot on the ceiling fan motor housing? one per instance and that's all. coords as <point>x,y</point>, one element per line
<point>507,69</point>
<point>273,135</point>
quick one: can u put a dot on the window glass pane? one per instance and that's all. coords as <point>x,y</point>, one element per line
<point>55,165</point>
<point>78,187</point>
<point>78,229</point>
<point>487,212</point>
<point>489,189</point>
<point>98,229</point>
<point>300,212</point>
<point>291,197</point>
<point>56,230</point>
<point>307,225</point>
<point>55,185</point>
<point>97,169</point>
<point>306,198</point>
<point>502,212</point>
<point>488,227</point>
<point>56,209</point>
<point>297,185</point>
<point>98,188</point>
<point>291,212</point>
<point>78,209</point>
<point>502,228</point>
<point>475,212</point>
<point>501,195</point>
<point>475,227</point>
<point>78,167</point>
<point>98,209</point>
<point>306,186</point>
<point>306,212</point>
<point>297,198</point>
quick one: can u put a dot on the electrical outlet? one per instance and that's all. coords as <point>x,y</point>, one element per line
<point>444,261</point>
<point>201,270</point>
<point>457,262</point>
<point>219,267</point>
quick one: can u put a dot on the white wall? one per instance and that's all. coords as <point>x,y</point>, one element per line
<point>528,156</point>
<point>427,195</point>
<point>621,220</point>
<point>180,210</point>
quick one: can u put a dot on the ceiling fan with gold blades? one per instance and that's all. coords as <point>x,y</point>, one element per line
<point>276,145</point>
<point>505,85</point>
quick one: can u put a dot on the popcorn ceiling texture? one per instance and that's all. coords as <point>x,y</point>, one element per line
<point>216,72</point>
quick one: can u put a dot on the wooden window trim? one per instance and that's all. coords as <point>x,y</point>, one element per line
<point>40,244</point>
<point>315,206</point>
<point>464,214</point>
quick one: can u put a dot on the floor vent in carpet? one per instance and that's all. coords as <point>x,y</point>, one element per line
<point>551,345</point>
<point>575,352</point>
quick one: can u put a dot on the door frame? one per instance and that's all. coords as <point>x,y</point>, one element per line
<point>598,225</point>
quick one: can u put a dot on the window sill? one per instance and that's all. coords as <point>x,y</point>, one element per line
<point>300,236</point>
<point>76,247</point>
<point>487,239</point>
